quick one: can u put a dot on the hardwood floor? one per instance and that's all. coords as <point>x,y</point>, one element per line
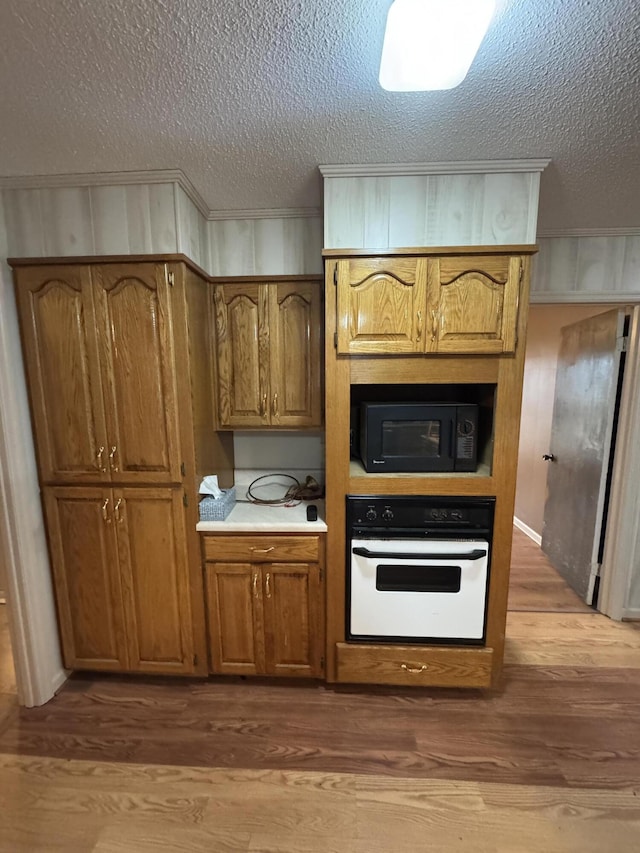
<point>534,584</point>
<point>550,763</point>
<point>7,671</point>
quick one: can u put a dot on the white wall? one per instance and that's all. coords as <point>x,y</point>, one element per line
<point>23,548</point>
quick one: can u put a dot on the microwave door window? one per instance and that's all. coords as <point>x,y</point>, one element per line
<point>411,439</point>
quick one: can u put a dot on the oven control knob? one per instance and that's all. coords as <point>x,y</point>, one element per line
<point>371,514</point>
<point>466,427</point>
<point>456,515</point>
<point>387,514</point>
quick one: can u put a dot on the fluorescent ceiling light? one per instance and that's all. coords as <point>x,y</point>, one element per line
<point>430,44</point>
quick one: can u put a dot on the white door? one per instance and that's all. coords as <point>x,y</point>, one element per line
<point>588,378</point>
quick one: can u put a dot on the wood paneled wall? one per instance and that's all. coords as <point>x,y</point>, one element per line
<point>270,246</point>
<point>390,211</point>
<point>99,220</point>
<point>587,269</point>
<point>192,237</point>
<point>155,219</point>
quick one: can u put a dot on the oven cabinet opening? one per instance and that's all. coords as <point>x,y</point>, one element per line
<point>424,429</point>
<point>408,590</point>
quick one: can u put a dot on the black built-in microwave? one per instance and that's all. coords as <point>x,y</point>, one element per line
<point>419,437</point>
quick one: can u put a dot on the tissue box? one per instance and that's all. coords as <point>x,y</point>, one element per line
<point>217,509</point>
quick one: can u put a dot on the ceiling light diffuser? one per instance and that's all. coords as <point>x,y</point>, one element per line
<point>430,44</point>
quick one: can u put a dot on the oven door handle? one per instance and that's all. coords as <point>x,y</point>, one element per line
<point>476,554</point>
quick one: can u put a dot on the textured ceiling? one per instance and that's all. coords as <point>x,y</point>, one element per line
<point>248,97</point>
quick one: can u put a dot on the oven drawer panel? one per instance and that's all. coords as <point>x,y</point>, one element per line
<point>408,665</point>
<point>262,549</point>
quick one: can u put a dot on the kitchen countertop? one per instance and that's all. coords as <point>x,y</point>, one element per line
<point>249,517</point>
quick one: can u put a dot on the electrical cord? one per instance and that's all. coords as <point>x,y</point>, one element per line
<point>294,495</point>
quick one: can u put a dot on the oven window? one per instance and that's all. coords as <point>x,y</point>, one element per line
<point>403,578</point>
<point>411,438</point>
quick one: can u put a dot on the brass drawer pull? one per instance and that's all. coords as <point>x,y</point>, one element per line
<point>262,550</point>
<point>274,406</point>
<point>100,459</point>
<point>116,511</point>
<point>268,585</point>
<point>112,460</point>
<point>416,669</point>
<point>419,329</point>
<point>255,584</point>
<point>105,517</point>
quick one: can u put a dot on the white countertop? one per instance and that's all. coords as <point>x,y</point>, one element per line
<point>247,517</point>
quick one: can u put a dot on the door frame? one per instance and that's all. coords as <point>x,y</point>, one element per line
<point>622,532</point>
<point>622,539</point>
<point>30,604</point>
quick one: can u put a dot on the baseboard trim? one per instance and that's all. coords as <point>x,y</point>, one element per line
<point>527,530</point>
<point>631,614</point>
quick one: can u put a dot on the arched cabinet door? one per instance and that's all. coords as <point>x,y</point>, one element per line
<point>268,353</point>
<point>136,352</point>
<point>241,346</point>
<point>55,305</point>
<point>473,304</point>
<point>295,354</point>
<point>381,305</point>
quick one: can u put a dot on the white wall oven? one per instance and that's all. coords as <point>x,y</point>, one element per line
<point>418,568</point>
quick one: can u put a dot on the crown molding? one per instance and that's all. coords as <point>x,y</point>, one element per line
<point>103,179</point>
<point>268,213</point>
<point>95,179</point>
<point>551,234</point>
<point>462,167</point>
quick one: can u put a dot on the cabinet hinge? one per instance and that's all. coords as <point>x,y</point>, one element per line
<point>335,275</point>
<point>322,662</point>
<point>335,340</point>
<point>185,499</point>
<point>521,272</point>
<point>171,278</point>
<point>183,469</point>
<point>195,660</point>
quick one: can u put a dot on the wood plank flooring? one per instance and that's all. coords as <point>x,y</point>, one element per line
<point>535,585</point>
<point>549,763</point>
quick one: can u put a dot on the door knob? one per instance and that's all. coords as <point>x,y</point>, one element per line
<point>548,457</point>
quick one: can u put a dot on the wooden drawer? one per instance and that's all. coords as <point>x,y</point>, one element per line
<point>416,666</point>
<point>262,549</point>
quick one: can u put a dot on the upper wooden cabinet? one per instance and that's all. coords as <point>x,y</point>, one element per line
<point>462,304</point>
<point>381,305</point>
<point>268,347</point>
<point>99,354</point>
<point>473,304</point>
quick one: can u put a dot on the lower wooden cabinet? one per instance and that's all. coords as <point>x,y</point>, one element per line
<point>119,561</point>
<point>265,618</point>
